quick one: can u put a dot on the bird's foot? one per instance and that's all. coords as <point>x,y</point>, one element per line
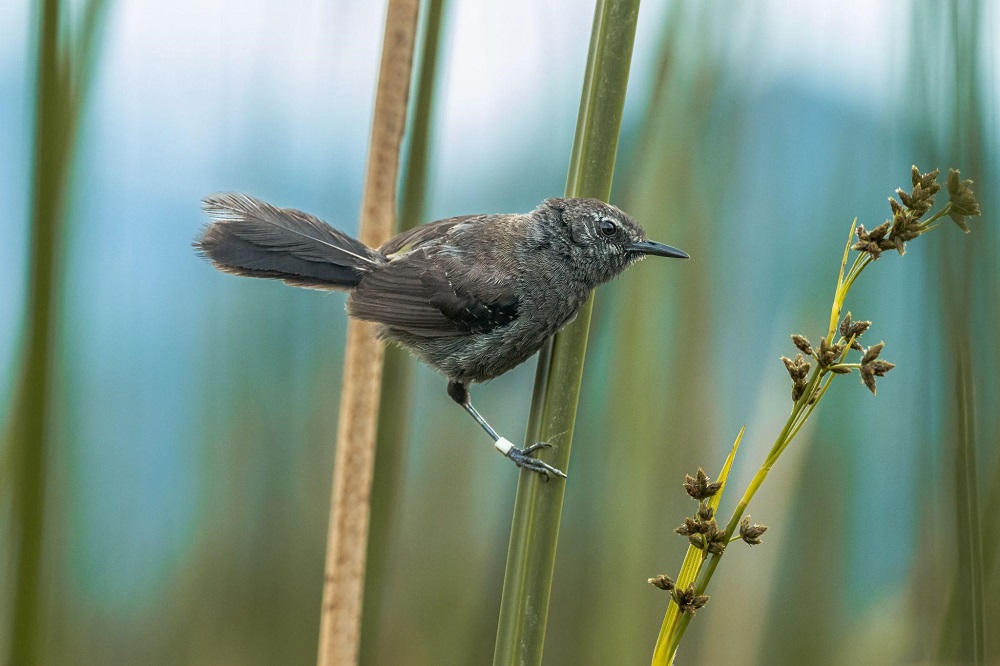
<point>522,458</point>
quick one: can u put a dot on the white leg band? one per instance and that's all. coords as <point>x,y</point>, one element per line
<point>503,445</point>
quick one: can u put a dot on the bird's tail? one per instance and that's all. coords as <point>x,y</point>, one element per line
<point>255,239</point>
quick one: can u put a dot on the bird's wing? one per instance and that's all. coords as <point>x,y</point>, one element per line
<point>417,236</point>
<point>440,298</point>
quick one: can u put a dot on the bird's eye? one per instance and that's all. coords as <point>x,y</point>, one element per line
<point>608,228</point>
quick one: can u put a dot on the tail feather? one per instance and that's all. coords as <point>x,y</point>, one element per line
<point>255,239</point>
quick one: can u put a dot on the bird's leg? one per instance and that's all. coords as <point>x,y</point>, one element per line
<point>459,392</point>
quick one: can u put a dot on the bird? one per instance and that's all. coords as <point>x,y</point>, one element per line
<point>472,296</point>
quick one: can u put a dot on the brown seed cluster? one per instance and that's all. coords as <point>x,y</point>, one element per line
<point>963,201</point>
<point>751,532</point>
<point>688,600</point>
<point>872,366</point>
<point>908,211</point>
<point>700,487</point>
<point>830,356</point>
<point>852,330</point>
<point>662,581</point>
<point>798,370</point>
<point>703,532</point>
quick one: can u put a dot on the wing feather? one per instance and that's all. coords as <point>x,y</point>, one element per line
<point>432,298</point>
<point>418,236</point>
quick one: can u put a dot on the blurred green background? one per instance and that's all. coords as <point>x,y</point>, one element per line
<point>182,490</point>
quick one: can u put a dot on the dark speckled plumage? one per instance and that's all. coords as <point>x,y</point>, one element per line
<point>472,296</point>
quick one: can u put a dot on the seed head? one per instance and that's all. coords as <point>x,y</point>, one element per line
<point>662,581</point>
<point>802,343</point>
<point>963,201</point>
<point>853,329</point>
<point>700,487</point>
<point>871,241</point>
<point>798,370</point>
<point>872,366</point>
<point>688,600</point>
<point>750,532</point>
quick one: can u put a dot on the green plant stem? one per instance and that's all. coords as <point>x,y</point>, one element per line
<point>928,224</point>
<point>414,190</point>
<point>538,506</point>
<point>693,561</point>
<point>859,265</point>
<point>28,435</point>
<point>816,387</point>
<point>803,408</point>
<point>27,439</point>
<point>676,623</point>
<point>969,522</point>
<point>800,411</point>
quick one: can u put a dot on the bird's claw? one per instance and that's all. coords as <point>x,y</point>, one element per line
<point>537,445</point>
<point>522,458</point>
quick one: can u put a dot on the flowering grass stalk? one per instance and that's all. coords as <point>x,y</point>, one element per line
<point>810,381</point>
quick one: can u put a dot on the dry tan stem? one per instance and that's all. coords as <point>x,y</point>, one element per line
<point>347,542</point>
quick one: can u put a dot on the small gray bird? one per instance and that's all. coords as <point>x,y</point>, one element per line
<point>471,296</point>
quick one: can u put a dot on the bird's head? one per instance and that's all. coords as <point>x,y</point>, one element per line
<point>603,239</point>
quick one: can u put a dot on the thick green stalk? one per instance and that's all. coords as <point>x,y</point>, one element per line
<point>414,190</point>
<point>538,506</point>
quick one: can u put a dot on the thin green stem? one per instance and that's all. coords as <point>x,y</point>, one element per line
<point>859,265</point>
<point>801,410</point>
<point>538,506</point>
<point>65,64</point>
<point>862,263</point>
<point>925,226</point>
<point>838,300</point>
<point>676,623</point>
<point>694,559</point>
<point>819,395</point>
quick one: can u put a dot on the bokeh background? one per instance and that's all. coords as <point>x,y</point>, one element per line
<point>192,414</point>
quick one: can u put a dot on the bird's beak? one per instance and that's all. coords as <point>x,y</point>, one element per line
<point>659,249</point>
